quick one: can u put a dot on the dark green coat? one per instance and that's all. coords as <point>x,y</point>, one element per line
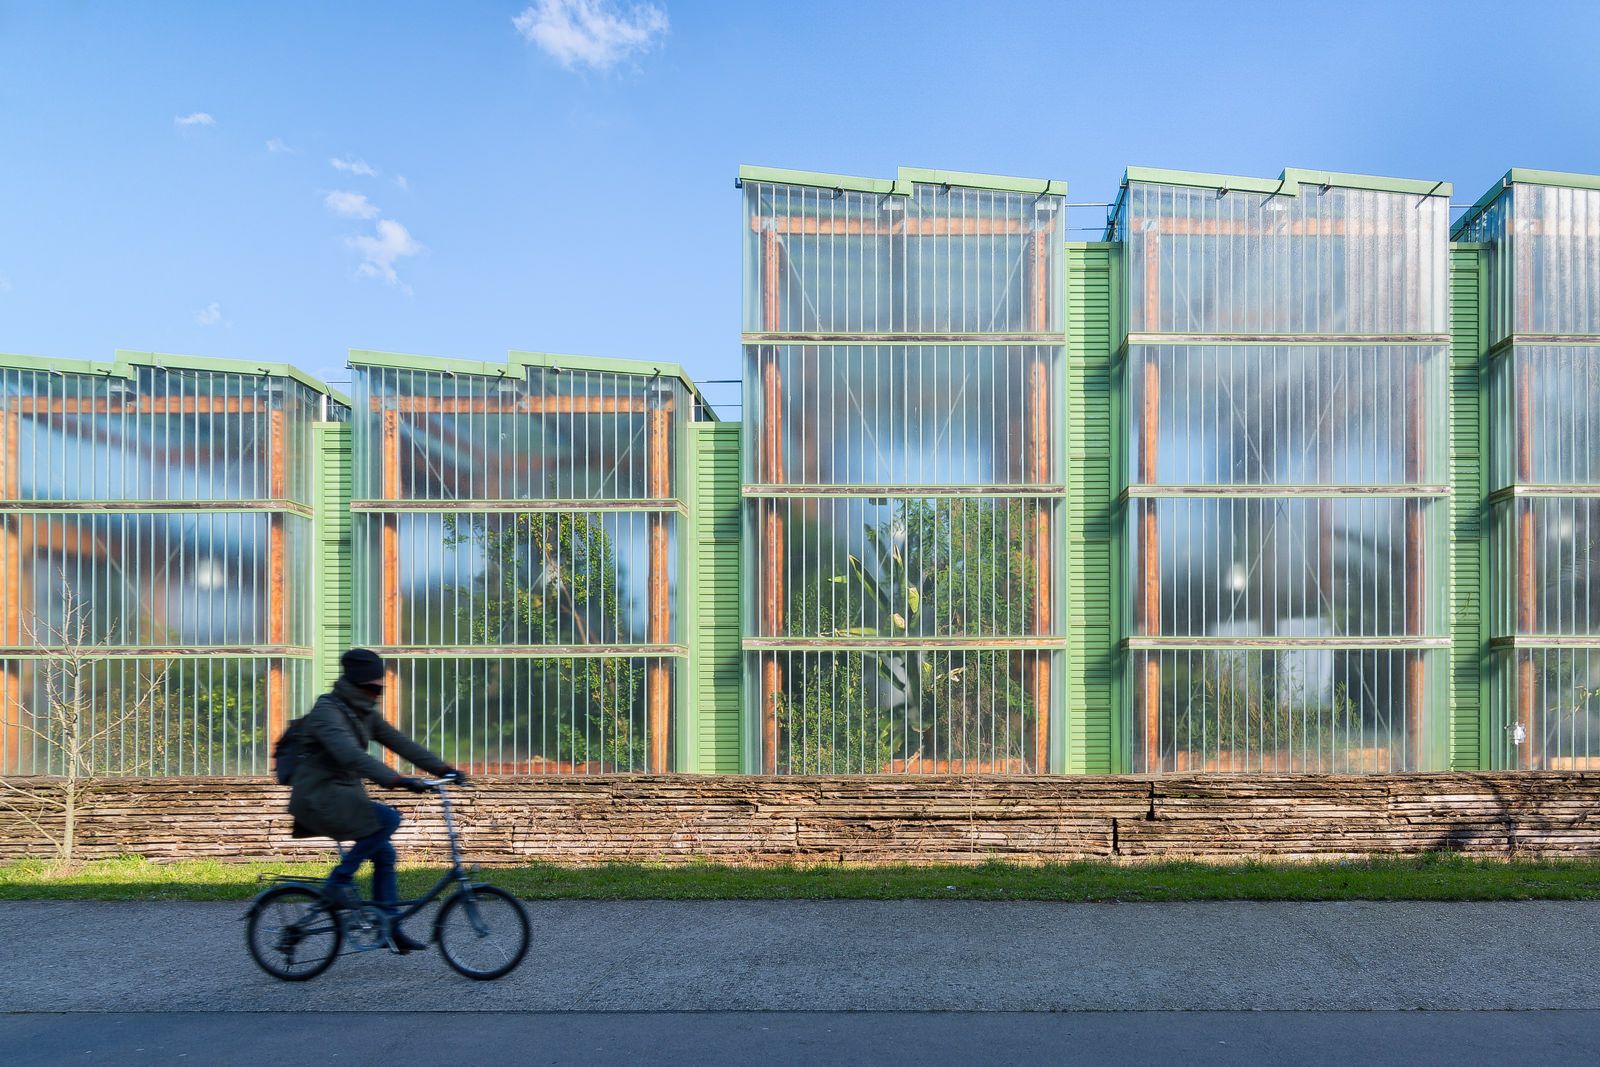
<point>327,797</point>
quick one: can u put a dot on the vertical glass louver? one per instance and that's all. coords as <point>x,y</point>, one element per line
<point>1284,376</point>
<point>1541,234</point>
<point>903,476</point>
<point>516,559</point>
<point>155,535</point>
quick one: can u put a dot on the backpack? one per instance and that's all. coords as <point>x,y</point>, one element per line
<point>287,752</point>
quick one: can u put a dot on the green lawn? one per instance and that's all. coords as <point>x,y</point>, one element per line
<point>1434,877</point>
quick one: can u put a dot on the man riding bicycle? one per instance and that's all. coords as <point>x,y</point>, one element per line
<point>327,798</point>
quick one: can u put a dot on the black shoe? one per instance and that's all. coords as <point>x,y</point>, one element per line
<point>404,944</point>
<point>341,895</point>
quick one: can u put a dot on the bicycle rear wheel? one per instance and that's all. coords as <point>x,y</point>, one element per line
<point>292,933</point>
<point>482,932</point>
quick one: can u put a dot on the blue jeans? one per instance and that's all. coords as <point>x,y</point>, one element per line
<point>376,847</point>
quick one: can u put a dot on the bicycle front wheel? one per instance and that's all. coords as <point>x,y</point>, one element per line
<point>292,933</point>
<point>482,932</point>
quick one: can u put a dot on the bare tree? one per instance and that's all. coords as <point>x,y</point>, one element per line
<point>83,743</point>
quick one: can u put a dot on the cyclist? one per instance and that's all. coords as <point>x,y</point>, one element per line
<point>327,798</point>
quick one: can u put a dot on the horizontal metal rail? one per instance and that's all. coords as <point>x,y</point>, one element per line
<point>1534,642</point>
<point>1542,490</point>
<point>654,651</point>
<point>928,644</point>
<point>1259,339</point>
<point>765,490</point>
<point>1052,339</point>
<point>519,506</point>
<point>1552,340</point>
<point>1179,643</point>
<point>1228,489</point>
<point>160,652</point>
<point>156,506</point>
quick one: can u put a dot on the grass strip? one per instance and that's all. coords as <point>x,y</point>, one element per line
<point>1427,877</point>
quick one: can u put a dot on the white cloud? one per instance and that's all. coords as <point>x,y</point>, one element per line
<point>591,33</point>
<point>380,253</point>
<point>5,284</point>
<point>199,118</point>
<point>350,205</point>
<point>209,315</point>
<point>276,145</point>
<point>400,180</point>
<point>353,166</point>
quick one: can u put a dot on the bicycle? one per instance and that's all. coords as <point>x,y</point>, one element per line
<point>296,929</point>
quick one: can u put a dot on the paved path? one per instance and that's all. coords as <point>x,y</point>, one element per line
<point>777,1039</point>
<point>660,956</point>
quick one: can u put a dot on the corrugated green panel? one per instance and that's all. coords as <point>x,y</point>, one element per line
<point>331,582</point>
<point>715,720</point>
<point>1469,533</point>
<point>1094,710</point>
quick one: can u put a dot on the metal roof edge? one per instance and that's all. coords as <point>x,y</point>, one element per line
<point>225,365</point>
<point>610,364</point>
<point>1288,183</point>
<point>368,357</point>
<point>19,361</point>
<point>998,182</point>
<point>816,179</point>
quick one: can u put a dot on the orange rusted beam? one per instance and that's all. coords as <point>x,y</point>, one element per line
<point>1039,435</point>
<point>814,226</point>
<point>12,607</point>
<point>1150,564</point>
<point>1415,570</point>
<point>526,405</point>
<point>150,405</point>
<point>772,518</point>
<point>658,675</point>
<point>277,579</point>
<point>389,549</point>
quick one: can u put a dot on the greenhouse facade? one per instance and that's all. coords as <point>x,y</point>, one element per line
<point>1279,475</point>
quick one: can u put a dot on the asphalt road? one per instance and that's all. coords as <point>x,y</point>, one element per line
<point>847,956</point>
<point>777,1039</point>
<point>837,981</point>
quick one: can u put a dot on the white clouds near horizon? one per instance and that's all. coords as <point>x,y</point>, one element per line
<point>209,315</point>
<point>198,118</point>
<point>597,34</point>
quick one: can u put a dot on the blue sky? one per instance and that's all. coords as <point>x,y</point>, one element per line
<point>558,174</point>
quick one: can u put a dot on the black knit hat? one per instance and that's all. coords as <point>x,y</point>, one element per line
<point>362,666</point>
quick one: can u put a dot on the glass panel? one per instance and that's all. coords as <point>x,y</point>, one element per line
<point>900,568</point>
<point>166,435</point>
<point>475,579</point>
<point>1321,710</point>
<point>941,260</point>
<point>554,435</point>
<point>1298,567</point>
<point>1547,710</point>
<point>907,710</point>
<point>1546,410</point>
<point>531,715</point>
<point>1547,552</point>
<point>170,579</point>
<point>150,716</point>
<point>1327,261</point>
<point>1286,415</point>
<point>1491,227</point>
<point>1556,257</point>
<point>903,415</point>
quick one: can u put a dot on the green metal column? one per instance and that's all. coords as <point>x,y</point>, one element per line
<point>1096,713</point>
<point>331,579</point>
<point>1469,510</point>
<point>713,726</point>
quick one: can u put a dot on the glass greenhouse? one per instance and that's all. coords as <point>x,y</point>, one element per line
<point>1287,474</point>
